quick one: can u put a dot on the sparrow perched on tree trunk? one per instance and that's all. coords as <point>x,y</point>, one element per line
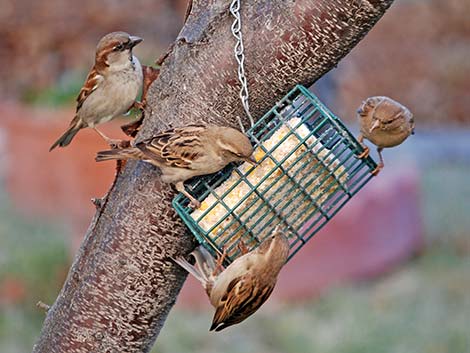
<point>385,123</point>
<point>239,290</point>
<point>111,88</point>
<point>186,152</point>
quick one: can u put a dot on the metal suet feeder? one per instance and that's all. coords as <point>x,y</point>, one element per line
<point>307,171</point>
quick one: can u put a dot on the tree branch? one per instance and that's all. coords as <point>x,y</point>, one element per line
<point>122,283</point>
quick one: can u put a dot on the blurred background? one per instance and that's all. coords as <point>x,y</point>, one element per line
<point>391,272</point>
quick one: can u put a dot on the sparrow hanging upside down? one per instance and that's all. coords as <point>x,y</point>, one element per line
<point>239,290</point>
<point>385,123</point>
<point>111,88</point>
<point>186,152</point>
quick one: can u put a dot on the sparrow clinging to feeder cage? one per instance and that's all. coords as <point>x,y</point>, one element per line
<point>241,288</point>
<point>111,88</point>
<point>186,152</point>
<point>385,123</point>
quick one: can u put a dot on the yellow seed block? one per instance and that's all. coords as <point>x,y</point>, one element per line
<point>277,196</point>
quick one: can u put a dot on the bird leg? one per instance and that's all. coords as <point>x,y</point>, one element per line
<point>376,171</point>
<point>219,264</point>
<point>193,202</point>
<point>111,142</point>
<point>365,153</point>
<point>243,248</point>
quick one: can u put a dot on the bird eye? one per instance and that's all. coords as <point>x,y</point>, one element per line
<point>119,47</point>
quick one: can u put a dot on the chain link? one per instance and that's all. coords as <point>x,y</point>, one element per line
<point>240,57</point>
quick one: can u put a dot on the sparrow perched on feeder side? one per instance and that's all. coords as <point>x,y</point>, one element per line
<point>186,152</point>
<point>111,88</point>
<point>385,123</point>
<point>239,290</point>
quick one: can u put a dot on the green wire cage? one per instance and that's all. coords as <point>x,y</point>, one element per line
<point>307,170</point>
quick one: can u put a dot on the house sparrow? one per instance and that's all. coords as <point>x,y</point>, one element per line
<point>186,152</point>
<point>385,123</point>
<point>111,88</point>
<point>239,290</point>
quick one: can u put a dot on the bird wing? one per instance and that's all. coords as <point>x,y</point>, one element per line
<point>243,297</point>
<point>177,147</point>
<point>91,83</point>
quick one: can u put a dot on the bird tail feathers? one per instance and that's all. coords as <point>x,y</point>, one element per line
<point>123,154</point>
<point>203,269</point>
<point>69,134</point>
<point>191,269</point>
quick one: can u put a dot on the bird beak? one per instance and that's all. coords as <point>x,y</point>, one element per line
<point>361,112</point>
<point>251,160</point>
<point>375,125</point>
<point>133,41</point>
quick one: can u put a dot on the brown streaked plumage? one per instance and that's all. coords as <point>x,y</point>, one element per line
<point>385,123</point>
<point>186,152</point>
<point>239,290</point>
<point>111,87</point>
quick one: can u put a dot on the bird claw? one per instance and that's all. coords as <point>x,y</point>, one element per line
<point>219,264</point>
<point>377,170</point>
<point>364,153</point>
<point>243,248</point>
<point>195,204</point>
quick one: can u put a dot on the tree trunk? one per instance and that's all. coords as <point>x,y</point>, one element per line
<point>123,283</point>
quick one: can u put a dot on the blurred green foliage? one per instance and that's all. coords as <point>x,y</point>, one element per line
<point>63,93</point>
<point>33,260</point>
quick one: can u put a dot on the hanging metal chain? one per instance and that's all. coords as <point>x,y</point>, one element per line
<point>240,57</point>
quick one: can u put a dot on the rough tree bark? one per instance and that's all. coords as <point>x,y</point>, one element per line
<point>122,283</point>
